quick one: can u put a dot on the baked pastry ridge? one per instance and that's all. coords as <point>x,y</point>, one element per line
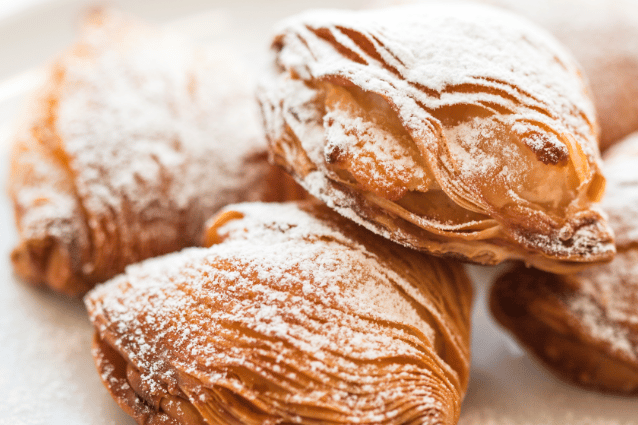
<point>296,315</point>
<point>603,37</point>
<point>585,326</point>
<point>456,129</point>
<point>136,138</point>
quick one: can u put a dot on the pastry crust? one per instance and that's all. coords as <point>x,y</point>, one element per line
<point>454,129</point>
<point>134,141</point>
<point>603,37</point>
<point>585,326</point>
<point>295,315</point>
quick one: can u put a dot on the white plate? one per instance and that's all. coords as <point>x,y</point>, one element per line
<point>46,371</point>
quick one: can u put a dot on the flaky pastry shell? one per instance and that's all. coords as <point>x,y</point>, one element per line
<point>603,37</point>
<point>584,327</point>
<point>455,129</point>
<point>136,138</point>
<point>293,315</point>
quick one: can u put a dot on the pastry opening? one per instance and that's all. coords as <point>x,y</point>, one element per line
<point>491,155</point>
<point>135,396</point>
<point>366,138</point>
<point>436,205</point>
<point>501,162</point>
<point>174,406</point>
<point>151,403</point>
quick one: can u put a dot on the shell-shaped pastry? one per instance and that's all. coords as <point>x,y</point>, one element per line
<point>293,315</point>
<point>134,141</point>
<point>456,129</point>
<point>585,326</point>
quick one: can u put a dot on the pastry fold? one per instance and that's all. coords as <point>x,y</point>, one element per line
<point>293,315</point>
<point>455,129</point>
<point>136,138</point>
<point>584,327</point>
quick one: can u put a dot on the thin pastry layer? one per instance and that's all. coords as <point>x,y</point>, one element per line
<point>585,326</point>
<point>134,141</point>
<point>293,315</point>
<point>454,129</point>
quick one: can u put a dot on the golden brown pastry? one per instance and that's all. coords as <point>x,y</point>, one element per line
<point>603,37</point>
<point>585,326</point>
<point>454,129</point>
<point>134,141</point>
<point>293,315</point>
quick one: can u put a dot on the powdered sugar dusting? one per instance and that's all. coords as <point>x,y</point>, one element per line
<point>159,91</point>
<point>473,161</point>
<point>288,284</point>
<point>378,152</point>
<point>474,103</point>
<point>148,135</point>
<point>591,317</point>
<point>603,37</point>
<point>384,151</point>
<point>518,63</point>
<point>595,308</point>
<point>607,295</point>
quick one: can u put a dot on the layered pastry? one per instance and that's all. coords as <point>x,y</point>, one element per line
<point>292,315</point>
<point>459,130</point>
<point>135,139</point>
<point>603,37</point>
<point>584,326</point>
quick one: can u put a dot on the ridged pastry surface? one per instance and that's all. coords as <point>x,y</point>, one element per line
<point>603,37</point>
<point>137,137</point>
<point>293,315</point>
<point>585,326</point>
<point>457,129</point>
